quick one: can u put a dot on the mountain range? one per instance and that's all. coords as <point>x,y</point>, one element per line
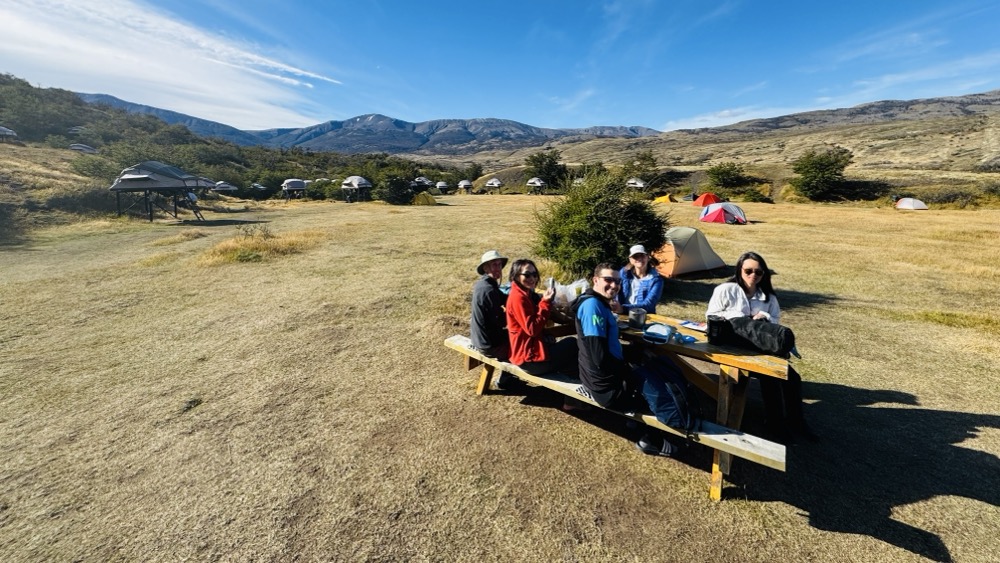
<point>378,133</point>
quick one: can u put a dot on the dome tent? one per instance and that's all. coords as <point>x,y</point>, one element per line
<point>687,250</point>
<point>706,199</point>
<point>424,198</point>
<point>910,203</point>
<point>723,213</point>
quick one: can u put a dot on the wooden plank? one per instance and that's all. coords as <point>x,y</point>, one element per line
<point>710,434</point>
<point>485,376</point>
<point>699,379</point>
<point>733,417</point>
<point>471,363</point>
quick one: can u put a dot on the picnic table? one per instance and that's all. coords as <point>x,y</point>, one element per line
<point>728,387</point>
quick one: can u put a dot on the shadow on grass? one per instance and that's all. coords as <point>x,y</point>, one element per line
<point>697,289</point>
<point>12,231</point>
<point>217,222</point>
<point>872,458</point>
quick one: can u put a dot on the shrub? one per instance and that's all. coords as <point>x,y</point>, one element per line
<point>727,175</point>
<point>597,221</point>
<point>395,191</point>
<point>821,173</point>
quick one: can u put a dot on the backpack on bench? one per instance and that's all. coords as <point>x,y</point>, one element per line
<point>667,392</point>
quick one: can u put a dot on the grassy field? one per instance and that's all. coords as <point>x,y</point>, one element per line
<point>159,401</point>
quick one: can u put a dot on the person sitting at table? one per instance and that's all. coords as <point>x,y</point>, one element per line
<point>605,374</point>
<point>749,293</point>
<point>488,325</point>
<point>642,284</point>
<point>527,314</point>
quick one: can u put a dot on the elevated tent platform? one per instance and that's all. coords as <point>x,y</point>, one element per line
<point>157,184</point>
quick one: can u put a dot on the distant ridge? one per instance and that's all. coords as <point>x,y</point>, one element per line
<point>378,133</point>
<point>461,137</point>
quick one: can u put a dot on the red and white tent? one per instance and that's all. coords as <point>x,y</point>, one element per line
<point>723,213</point>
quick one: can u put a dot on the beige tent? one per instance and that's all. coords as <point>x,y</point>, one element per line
<point>424,198</point>
<point>687,250</point>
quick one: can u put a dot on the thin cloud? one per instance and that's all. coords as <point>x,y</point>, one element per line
<point>146,56</point>
<point>574,102</point>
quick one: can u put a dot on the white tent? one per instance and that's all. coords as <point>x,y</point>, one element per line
<point>494,183</point>
<point>356,188</point>
<point>536,182</point>
<point>465,185</point>
<point>910,203</point>
<point>80,147</point>
<point>355,182</point>
<point>7,133</point>
<point>293,184</point>
<point>443,186</point>
<point>687,250</point>
<point>635,183</point>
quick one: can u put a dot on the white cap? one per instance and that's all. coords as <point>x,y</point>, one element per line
<point>637,249</point>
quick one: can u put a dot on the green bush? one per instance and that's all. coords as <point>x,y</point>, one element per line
<point>395,191</point>
<point>597,221</point>
<point>821,174</point>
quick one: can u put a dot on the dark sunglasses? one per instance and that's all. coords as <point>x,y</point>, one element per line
<point>749,271</point>
<point>610,280</point>
<point>529,274</point>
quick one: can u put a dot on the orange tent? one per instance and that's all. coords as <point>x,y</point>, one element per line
<point>706,199</point>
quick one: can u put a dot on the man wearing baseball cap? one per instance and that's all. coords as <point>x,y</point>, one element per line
<point>488,326</point>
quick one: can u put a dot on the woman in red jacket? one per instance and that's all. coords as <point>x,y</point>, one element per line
<point>527,313</point>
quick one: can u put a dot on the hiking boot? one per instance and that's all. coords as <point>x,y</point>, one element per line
<point>654,445</point>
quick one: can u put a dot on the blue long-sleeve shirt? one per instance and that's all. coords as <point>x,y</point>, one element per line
<point>647,295</point>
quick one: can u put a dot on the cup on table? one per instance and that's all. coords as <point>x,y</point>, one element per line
<point>637,318</point>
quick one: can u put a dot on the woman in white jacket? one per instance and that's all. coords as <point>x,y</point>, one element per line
<point>749,293</point>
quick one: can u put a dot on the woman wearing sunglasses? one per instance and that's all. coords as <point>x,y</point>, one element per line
<point>527,313</point>
<point>749,294</point>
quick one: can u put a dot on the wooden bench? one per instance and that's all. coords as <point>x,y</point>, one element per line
<point>716,436</point>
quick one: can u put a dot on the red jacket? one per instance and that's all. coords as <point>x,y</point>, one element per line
<point>527,315</point>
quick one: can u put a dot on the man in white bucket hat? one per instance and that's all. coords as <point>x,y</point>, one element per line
<point>488,326</point>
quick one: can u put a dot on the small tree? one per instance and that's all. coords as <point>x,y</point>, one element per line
<point>642,165</point>
<point>727,175</point>
<point>597,221</point>
<point>546,166</point>
<point>821,174</point>
<point>395,191</point>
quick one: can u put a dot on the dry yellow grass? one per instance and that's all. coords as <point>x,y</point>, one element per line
<point>155,409</point>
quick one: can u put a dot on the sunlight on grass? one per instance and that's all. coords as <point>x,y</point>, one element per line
<point>949,319</point>
<point>183,236</point>
<point>159,259</point>
<point>256,243</point>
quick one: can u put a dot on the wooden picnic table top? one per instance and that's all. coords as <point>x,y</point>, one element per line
<point>749,360</point>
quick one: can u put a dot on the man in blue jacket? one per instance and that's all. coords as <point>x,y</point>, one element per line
<point>603,370</point>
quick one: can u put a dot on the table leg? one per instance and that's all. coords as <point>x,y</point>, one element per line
<point>484,379</point>
<point>732,400</point>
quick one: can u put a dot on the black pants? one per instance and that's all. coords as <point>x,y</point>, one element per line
<point>782,400</point>
<point>562,357</point>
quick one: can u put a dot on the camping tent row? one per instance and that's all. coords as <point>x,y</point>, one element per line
<point>723,213</point>
<point>910,203</point>
<point>686,251</point>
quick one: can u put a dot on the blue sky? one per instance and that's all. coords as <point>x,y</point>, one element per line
<point>258,64</point>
